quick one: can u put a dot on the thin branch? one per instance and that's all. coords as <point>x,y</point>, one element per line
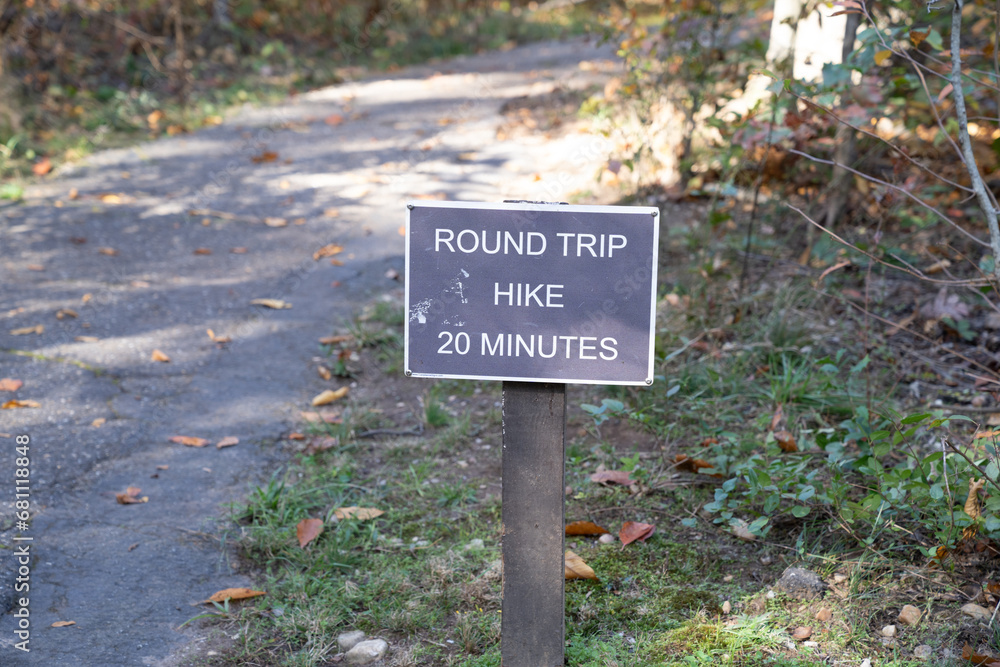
<point>897,189</point>
<point>989,210</point>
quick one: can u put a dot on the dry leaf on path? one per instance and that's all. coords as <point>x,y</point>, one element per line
<point>202,251</point>
<point>633,530</point>
<point>321,444</point>
<point>10,384</point>
<point>131,496</point>
<point>308,530</point>
<point>969,655</point>
<point>741,529</point>
<point>14,403</point>
<point>266,156</point>
<point>333,340</point>
<point>158,355</point>
<point>359,513</point>
<point>42,167</point>
<point>35,267</point>
<point>327,416</point>
<point>585,528</point>
<point>276,222</point>
<point>234,594</point>
<point>228,441</point>
<point>324,372</point>
<point>99,422</point>
<point>276,304</point>
<point>87,339</point>
<point>576,568</point>
<point>62,624</point>
<point>329,396</point>
<point>66,312</point>
<point>802,633</point>
<point>333,119</point>
<point>189,440</point>
<point>687,464</point>
<point>329,250</point>
<point>218,339</point>
<point>24,331</point>
<point>110,252</point>
<point>612,476</point>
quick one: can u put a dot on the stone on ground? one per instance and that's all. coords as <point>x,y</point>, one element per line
<point>801,584</point>
<point>909,616</point>
<point>367,652</point>
<point>348,640</point>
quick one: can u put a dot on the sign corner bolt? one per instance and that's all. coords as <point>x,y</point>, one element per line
<point>410,206</point>
<point>408,372</point>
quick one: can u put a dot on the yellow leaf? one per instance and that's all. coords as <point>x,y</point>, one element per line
<point>275,222</point>
<point>98,423</point>
<point>110,252</point>
<point>62,624</point>
<point>160,356</point>
<point>14,403</point>
<point>329,396</point>
<point>324,372</point>
<point>359,513</point>
<point>228,441</point>
<point>66,312</point>
<point>131,496</point>
<point>23,331</point>
<point>189,440</point>
<point>972,502</point>
<point>882,56</point>
<point>576,568</point>
<point>234,594</point>
<point>276,304</point>
<point>329,250</point>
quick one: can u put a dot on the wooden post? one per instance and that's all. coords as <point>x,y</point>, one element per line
<point>534,430</point>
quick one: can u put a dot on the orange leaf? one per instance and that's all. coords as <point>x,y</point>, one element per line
<point>329,250</point>
<point>777,417</point>
<point>687,464</point>
<point>970,655</point>
<point>228,441</point>
<point>324,372</point>
<point>786,441</point>
<point>333,119</point>
<point>308,530</point>
<point>576,568</point>
<point>131,496</point>
<point>202,251</point>
<point>332,340</point>
<point>234,594</point>
<point>62,624</point>
<point>296,436</point>
<point>633,530</point>
<point>110,252</point>
<point>329,396</point>
<point>709,441</point>
<point>266,156</point>
<point>10,384</point>
<point>160,356</point>
<point>585,528</point>
<point>14,403</point>
<point>359,513</point>
<point>189,440</point>
<point>972,502</point>
<point>613,476</point>
<point>42,167</point>
<point>99,422</point>
<point>24,331</point>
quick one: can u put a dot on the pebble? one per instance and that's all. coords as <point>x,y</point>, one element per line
<point>367,652</point>
<point>801,584</point>
<point>889,631</point>
<point>475,544</point>
<point>811,644</point>
<point>348,640</point>
<point>910,615</point>
<point>727,607</point>
<point>976,611</point>
<point>727,578</point>
<point>606,538</point>
<point>923,652</point>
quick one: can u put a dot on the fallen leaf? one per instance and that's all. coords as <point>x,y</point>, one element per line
<point>228,441</point>
<point>202,251</point>
<point>87,339</point>
<point>99,422</point>
<point>633,530</point>
<point>239,250</point>
<point>612,476</point>
<point>24,331</point>
<point>334,119</point>
<point>824,615</point>
<point>324,372</point>
<point>986,434</point>
<point>882,56</point>
<point>276,304</point>
<point>786,441</point>
<point>972,502</point>
<point>159,356</point>
<point>802,633</point>
<point>778,417</point>
<point>327,416</point>
<point>969,655</point>
<point>741,529</point>
<point>687,464</point>
<point>359,513</point>
<point>234,594</point>
<point>266,156</point>
<point>329,396</point>
<point>585,528</point>
<point>154,118</point>
<point>14,403</point>
<point>66,312</point>
<point>308,530</point>
<point>576,568</point>
<point>111,198</point>
<point>296,436</point>
<point>275,222</point>
<point>10,384</point>
<point>333,340</point>
<point>321,444</point>
<point>709,441</point>
<point>163,467</point>
<point>110,252</point>
<point>331,213</point>
<point>329,250</point>
<point>62,624</point>
<point>131,496</point>
<point>42,167</point>
<point>35,267</point>
<point>188,440</point>
<point>218,339</point>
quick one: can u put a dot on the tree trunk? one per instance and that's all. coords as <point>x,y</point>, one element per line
<point>847,142</point>
<point>220,14</point>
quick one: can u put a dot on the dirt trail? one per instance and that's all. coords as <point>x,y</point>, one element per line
<point>113,241</point>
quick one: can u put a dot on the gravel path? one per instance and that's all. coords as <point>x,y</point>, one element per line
<point>107,258</point>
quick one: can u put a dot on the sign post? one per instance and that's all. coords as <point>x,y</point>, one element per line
<point>537,296</point>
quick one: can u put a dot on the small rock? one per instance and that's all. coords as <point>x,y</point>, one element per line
<point>923,652</point>
<point>888,642</point>
<point>909,616</point>
<point>824,615</point>
<point>367,652</point>
<point>606,538</point>
<point>801,584</point>
<point>348,640</point>
<point>839,578</point>
<point>475,544</point>
<point>771,595</point>
<point>811,644</point>
<point>569,491</point>
<point>766,560</point>
<point>976,611</point>
<point>889,631</point>
<point>802,632</point>
<point>727,607</point>
<point>866,662</point>
<point>727,578</point>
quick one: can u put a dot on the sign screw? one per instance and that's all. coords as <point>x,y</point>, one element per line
<point>654,213</point>
<point>408,372</point>
<point>410,206</point>
<point>648,380</point>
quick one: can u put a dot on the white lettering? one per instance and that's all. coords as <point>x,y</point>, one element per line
<point>439,238</point>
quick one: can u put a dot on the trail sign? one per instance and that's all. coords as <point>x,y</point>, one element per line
<point>531,292</point>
